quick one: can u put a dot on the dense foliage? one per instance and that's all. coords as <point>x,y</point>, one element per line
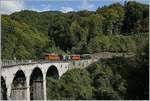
<point>20,40</point>
<point>27,34</point>
<point>107,79</point>
<point>108,85</point>
<point>75,84</point>
<point>135,70</point>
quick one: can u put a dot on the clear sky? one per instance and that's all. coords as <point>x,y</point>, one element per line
<point>10,6</point>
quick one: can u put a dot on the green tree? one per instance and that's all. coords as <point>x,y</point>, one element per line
<point>107,83</point>
<point>134,16</point>
<point>113,18</point>
<point>71,86</point>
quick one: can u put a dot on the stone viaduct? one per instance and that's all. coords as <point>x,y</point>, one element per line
<point>27,81</point>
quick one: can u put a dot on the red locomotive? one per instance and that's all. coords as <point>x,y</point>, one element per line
<point>75,57</point>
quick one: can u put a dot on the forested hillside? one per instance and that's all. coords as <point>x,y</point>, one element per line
<point>114,28</point>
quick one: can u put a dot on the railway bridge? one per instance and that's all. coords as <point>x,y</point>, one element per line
<point>26,80</point>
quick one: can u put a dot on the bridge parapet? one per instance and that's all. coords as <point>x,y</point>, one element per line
<point>15,62</point>
<point>5,63</point>
<point>81,63</point>
<point>110,55</point>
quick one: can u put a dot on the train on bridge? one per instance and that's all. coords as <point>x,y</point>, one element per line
<point>57,57</point>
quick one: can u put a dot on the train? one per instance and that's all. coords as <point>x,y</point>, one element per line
<point>73,57</point>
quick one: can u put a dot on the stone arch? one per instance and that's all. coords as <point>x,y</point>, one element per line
<point>3,89</point>
<point>36,84</point>
<point>19,86</point>
<point>52,72</point>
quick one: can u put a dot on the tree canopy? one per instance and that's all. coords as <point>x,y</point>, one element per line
<point>114,28</point>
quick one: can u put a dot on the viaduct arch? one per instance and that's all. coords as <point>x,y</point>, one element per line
<point>52,72</point>
<point>36,84</point>
<point>19,86</point>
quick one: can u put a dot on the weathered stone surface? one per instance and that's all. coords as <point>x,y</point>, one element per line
<point>9,72</point>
